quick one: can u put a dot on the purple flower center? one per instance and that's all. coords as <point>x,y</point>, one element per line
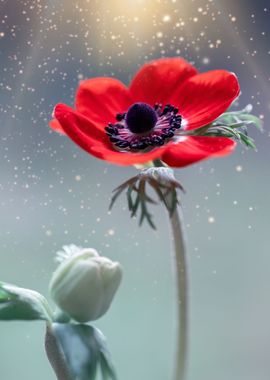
<point>144,127</point>
<point>141,118</point>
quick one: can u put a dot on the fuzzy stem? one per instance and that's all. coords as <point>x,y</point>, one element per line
<point>56,356</point>
<point>179,265</point>
<point>180,274</point>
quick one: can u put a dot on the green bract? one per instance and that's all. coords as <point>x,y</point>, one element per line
<point>85,351</point>
<point>85,283</point>
<point>22,304</point>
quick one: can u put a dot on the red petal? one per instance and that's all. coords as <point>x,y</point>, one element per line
<point>204,97</point>
<point>126,158</point>
<point>100,99</point>
<point>85,134</point>
<point>194,149</point>
<point>73,122</point>
<point>56,126</point>
<point>157,80</point>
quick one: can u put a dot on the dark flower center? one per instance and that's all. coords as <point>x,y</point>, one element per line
<point>144,127</point>
<point>141,118</point>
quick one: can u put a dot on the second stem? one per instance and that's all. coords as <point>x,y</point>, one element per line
<point>180,275</point>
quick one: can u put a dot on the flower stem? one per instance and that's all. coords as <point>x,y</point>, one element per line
<point>162,181</point>
<point>56,356</point>
<point>180,274</point>
<point>179,266</point>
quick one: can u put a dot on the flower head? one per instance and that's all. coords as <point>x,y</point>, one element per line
<point>149,119</point>
<point>84,283</point>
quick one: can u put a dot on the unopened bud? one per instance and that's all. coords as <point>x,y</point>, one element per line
<point>84,283</point>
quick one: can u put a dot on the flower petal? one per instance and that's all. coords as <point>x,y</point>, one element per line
<point>73,123</point>
<point>94,141</point>
<point>157,80</point>
<point>100,99</point>
<point>194,149</point>
<point>204,97</point>
<point>56,126</point>
<point>127,158</point>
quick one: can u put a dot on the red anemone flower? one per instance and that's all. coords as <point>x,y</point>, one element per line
<point>145,121</point>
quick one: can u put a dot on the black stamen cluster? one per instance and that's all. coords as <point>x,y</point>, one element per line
<point>120,116</point>
<point>143,142</point>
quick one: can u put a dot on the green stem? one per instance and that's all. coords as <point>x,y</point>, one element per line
<point>179,265</point>
<point>180,272</point>
<point>56,356</point>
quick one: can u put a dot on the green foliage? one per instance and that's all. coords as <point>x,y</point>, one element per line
<point>85,351</point>
<point>162,182</point>
<point>84,347</point>
<point>232,124</point>
<point>22,304</point>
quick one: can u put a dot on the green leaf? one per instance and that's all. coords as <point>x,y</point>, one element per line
<point>85,350</point>
<point>231,124</point>
<point>106,365</point>
<point>161,180</point>
<point>243,116</point>
<point>22,304</point>
<point>107,370</point>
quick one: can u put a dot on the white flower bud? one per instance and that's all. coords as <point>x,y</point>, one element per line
<point>84,283</point>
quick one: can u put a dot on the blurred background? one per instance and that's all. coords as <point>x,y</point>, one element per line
<point>52,193</point>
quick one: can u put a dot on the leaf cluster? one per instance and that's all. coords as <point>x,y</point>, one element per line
<point>84,347</point>
<point>234,125</point>
<point>85,350</point>
<point>161,181</point>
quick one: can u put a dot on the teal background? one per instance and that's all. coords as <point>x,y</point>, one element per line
<point>52,193</point>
